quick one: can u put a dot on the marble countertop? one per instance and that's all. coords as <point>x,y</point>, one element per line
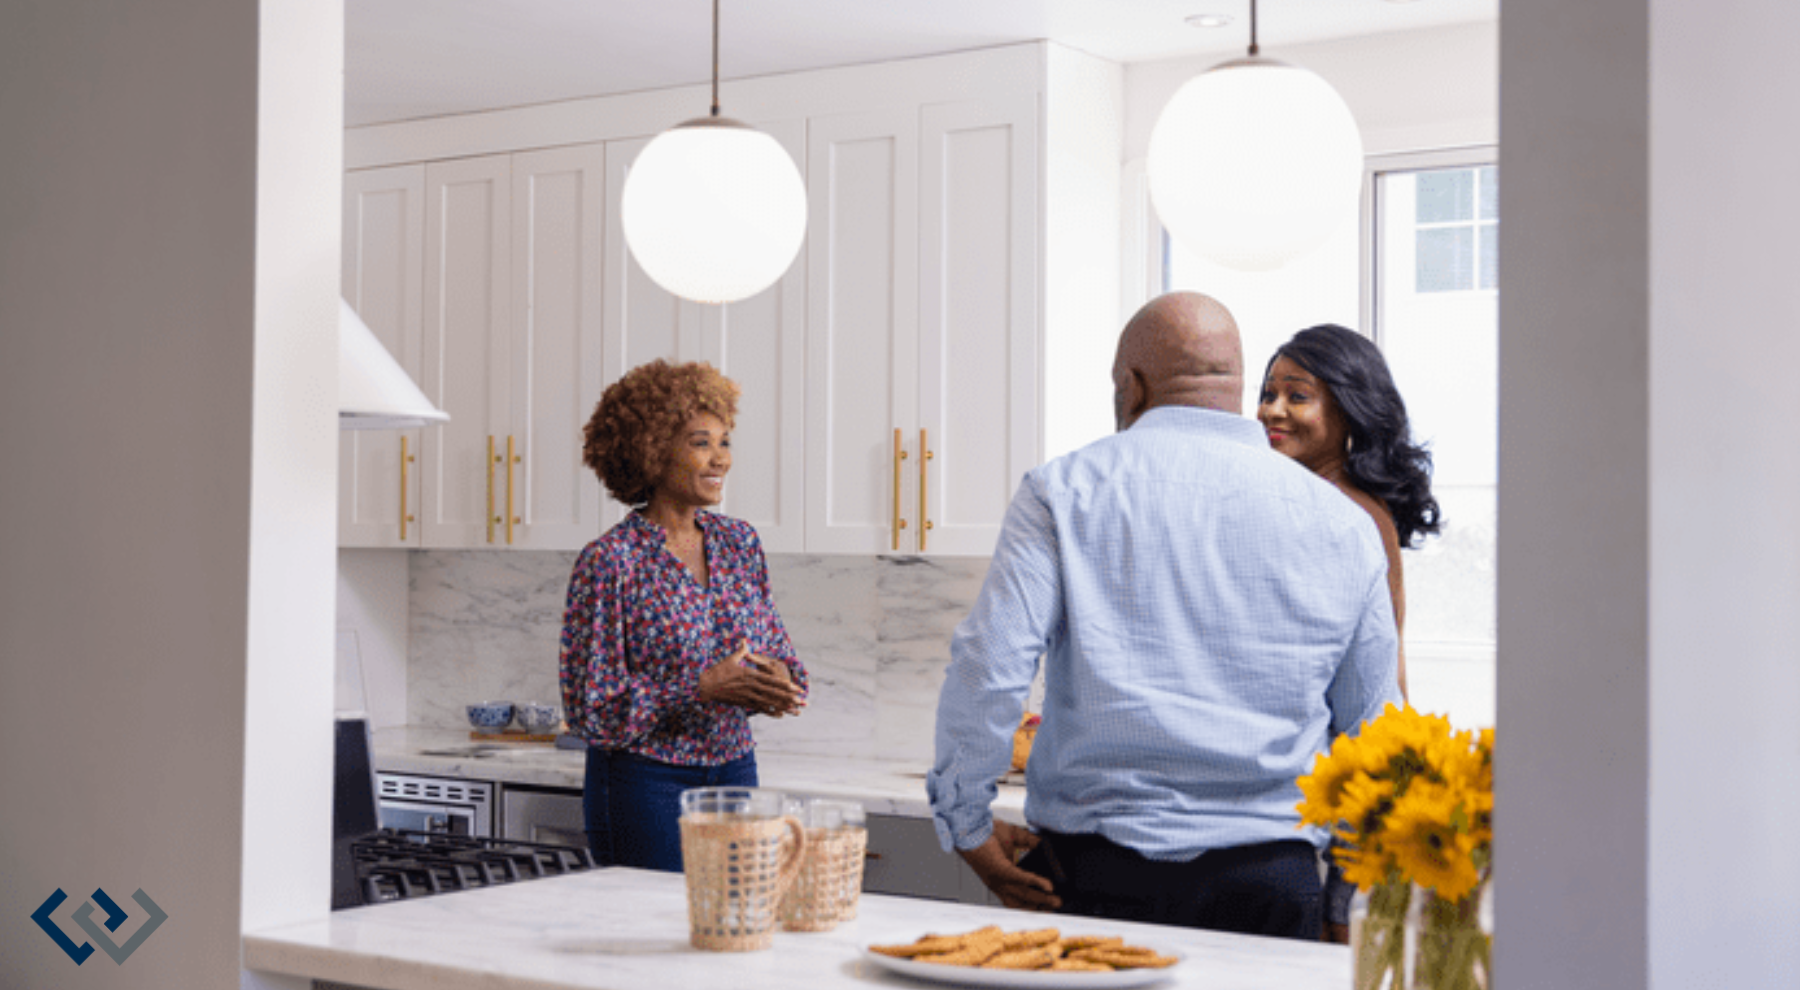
<point>619,929</point>
<point>884,787</point>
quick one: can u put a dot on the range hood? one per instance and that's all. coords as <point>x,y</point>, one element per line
<point>374,392</point>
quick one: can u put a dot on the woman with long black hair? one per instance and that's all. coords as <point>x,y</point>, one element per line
<point>1329,402</point>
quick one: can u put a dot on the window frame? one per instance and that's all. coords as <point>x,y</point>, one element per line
<point>1375,166</point>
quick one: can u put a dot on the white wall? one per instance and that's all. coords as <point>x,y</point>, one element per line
<point>1647,522</point>
<point>373,601</point>
<point>1083,122</point>
<point>167,383</point>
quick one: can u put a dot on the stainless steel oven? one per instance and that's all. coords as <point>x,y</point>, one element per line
<point>542,814</point>
<point>435,804</point>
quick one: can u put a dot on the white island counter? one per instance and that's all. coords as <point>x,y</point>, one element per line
<point>620,929</point>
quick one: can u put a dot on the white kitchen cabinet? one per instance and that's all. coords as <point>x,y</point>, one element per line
<point>383,280</point>
<point>978,319</point>
<point>894,380</point>
<point>556,368</point>
<point>758,342</point>
<point>922,325</point>
<point>861,329</point>
<point>512,348</point>
<point>468,282</point>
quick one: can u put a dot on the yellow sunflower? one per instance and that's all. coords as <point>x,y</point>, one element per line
<point>1428,833</point>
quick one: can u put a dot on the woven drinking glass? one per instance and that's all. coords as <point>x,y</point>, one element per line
<point>740,853</point>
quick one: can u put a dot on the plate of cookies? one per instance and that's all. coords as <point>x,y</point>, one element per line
<point>1041,957</point>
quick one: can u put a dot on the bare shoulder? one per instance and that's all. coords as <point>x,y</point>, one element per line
<point>1378,511</point>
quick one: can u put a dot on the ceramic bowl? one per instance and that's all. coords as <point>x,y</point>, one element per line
<point>491,716</point>
<point>538,718</point>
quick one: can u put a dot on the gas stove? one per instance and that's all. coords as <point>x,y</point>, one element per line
<point>374,865</point>
<point>394,864</point>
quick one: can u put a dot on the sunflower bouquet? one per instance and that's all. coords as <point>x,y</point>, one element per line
<point>1411,802</point>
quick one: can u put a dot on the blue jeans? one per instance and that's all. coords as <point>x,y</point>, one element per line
<point>632,805</point>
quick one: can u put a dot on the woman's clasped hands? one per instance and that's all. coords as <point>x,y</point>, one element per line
<point>758,684</point>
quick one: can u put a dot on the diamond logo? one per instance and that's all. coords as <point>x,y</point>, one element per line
<point>84,917</point>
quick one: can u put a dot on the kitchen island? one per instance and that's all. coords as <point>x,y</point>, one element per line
<point>621,929</point>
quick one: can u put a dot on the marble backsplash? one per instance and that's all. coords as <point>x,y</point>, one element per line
<point>874,633</point>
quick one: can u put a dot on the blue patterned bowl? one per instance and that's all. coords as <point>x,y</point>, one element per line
<point>491,716</point>
<point>538,718</point>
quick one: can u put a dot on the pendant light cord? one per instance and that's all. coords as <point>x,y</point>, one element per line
<point>1254,50</point>
<point>715,103</point>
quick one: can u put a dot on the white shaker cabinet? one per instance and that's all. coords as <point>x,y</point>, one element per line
<point>862,326</point>
<point>922,325</point>
<point>512,348</point>
<point>468,280</point>
<point>556,369</point>
<point>978,319</point>
<point>383,280</point>
<point>892,380</point>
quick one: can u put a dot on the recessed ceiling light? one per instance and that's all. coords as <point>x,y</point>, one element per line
<point>1209,20</point>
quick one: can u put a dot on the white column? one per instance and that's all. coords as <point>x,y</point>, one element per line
<point>168,262</point>
<point>1647,587</point>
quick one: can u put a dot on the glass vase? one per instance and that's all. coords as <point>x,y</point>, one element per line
<point>1405,937</point>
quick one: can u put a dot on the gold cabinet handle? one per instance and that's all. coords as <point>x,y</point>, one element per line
<point>405,459</point>
<point>512,458</point>
<point>924,517</point>
<point>899,455</point>
<point>491,518</point>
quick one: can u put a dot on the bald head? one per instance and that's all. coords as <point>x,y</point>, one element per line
<point>1181,349</point>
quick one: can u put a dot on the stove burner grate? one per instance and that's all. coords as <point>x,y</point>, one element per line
<point>395,864</point>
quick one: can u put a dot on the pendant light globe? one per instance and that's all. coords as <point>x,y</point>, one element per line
<point>1254,162</point>
<point>714,210</point>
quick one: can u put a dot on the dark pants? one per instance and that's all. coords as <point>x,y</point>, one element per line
<point>1271,888</point>
<point>632,805</point>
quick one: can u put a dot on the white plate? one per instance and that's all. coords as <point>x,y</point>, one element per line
<point>974,976</point>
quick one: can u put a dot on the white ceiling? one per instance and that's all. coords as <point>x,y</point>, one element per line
<point>407,59</point>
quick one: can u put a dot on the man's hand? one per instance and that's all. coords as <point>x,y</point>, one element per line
<point>758,684</point>
<point>996,863</point>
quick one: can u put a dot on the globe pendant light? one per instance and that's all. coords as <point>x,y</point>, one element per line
<point>1254,162</point>
<point>714,210</point>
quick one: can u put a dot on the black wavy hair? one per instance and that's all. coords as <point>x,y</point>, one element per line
<point>1383,461</point>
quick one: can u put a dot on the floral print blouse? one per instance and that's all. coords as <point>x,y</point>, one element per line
<point>639,629</point>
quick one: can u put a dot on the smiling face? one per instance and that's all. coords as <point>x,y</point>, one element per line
<point>698,462</point>
<point>1301,418</point>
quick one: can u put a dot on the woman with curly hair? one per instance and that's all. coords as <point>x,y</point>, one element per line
<point>1329,402</point>
<point>670,639</point>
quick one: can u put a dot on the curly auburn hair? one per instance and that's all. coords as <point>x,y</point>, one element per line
<point>628,438</point>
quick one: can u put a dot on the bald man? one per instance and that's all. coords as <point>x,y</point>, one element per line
<point>1209,615</point>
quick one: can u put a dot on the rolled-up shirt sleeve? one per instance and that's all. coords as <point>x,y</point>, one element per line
<point>605,701</point>
<point>994,656</point>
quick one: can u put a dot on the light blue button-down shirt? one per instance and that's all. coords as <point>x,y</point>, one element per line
<point>1210,615</point>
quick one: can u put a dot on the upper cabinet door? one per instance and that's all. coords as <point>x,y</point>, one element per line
<point>643,321</point>
<point>383,280</point>
<point>861,331</point>
<point>760,343</point>
<point>978,317</point>
<point>554,347</point>
<point>467,362</point>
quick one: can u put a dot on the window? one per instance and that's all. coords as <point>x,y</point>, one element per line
<point>1456,229</point>
<point>1427,295</point>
